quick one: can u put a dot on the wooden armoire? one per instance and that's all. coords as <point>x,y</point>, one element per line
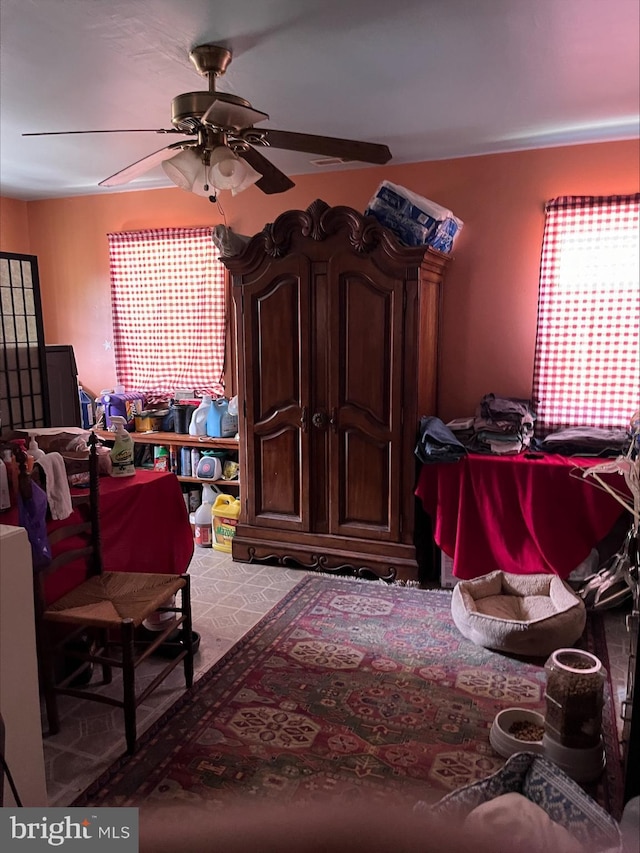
<point>337,327</point>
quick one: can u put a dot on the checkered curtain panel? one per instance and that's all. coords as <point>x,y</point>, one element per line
<point>168,304</point>
<point>587,357</point>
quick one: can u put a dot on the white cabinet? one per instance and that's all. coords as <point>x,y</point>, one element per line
<point>19,694</point>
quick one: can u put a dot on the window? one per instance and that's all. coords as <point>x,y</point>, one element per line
<point>168,290</point>
<point>587,357</point>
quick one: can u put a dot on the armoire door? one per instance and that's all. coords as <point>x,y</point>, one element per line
<point>366,311</point>
<point>274,335</point>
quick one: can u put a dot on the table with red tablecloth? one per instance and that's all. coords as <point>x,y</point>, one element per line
<point>144,527</point>
<point>515,513</point>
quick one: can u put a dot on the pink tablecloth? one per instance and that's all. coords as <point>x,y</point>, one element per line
<point>516,514</point>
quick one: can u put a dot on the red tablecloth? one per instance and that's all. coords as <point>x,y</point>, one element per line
<point>144,527</point>
<point>516,514</point>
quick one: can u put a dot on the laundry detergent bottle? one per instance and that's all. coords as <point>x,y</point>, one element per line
<point>198,424</point>
<point>217,410</point>
<point>122,450</point>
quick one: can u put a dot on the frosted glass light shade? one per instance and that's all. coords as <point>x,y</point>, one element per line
<point>251,176</point>
<point>229,172</point>
<point>183,168</point>
<point>226,171</point>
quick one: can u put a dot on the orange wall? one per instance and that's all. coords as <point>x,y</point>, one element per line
<point>14,226</point>
<point>491,289</point>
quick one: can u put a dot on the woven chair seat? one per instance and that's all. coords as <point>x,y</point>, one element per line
<point>104,600</point>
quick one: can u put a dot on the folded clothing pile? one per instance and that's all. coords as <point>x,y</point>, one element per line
<point>437,443</point>
<point>462,428</point>
<point>587,441</point>
<point>502,425</point>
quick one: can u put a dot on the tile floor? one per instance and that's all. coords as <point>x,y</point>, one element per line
<point>228,599</point>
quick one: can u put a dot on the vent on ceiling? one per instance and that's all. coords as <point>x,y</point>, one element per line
<point>329,161</point>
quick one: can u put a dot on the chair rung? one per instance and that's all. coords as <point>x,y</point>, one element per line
<point>92,697</point>
<point>71,677</point>
<point>154,644</point>
<point>68,557</point>
<point>61,645</point>
<point>69,530</point>
<point>104,660</point>
<point>161,676</point>
<point>108,700</point>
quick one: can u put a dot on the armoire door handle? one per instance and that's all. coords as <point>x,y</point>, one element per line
<point>303,419</point>
<point>333,420</point>
<point>319,420</point>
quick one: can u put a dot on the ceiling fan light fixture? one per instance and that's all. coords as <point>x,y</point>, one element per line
<point>183,169</point>
<point>226,171</point>
<point>230,172</point>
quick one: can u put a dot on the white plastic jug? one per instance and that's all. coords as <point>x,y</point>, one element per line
<point>198,424</point>
<point>203,519</point>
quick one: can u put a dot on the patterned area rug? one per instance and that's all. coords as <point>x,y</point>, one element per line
<point>350,689</point>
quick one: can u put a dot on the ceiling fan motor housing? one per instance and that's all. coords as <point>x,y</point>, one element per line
<point>187,109</point>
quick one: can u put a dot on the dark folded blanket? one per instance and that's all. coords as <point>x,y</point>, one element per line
<point>590,441</point>
<point>437,443</point>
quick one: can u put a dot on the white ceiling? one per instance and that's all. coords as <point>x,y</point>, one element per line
<point>430,78</point>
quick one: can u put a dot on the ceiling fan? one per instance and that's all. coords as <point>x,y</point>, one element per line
<point>222,149</point>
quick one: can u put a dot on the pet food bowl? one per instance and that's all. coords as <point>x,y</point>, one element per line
<point>505,742</point>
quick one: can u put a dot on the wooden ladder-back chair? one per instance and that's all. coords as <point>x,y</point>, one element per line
<point>108,607</point>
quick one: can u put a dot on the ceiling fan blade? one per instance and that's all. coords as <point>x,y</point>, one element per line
<point>226,114</point>
<point>142,166</point>
<point>272,180</point>
<point>121,130</point>
<point>328,146</point>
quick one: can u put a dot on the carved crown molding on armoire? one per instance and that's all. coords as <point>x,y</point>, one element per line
<point>337,326</point>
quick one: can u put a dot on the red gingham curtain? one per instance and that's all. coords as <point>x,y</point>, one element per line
<point>168,304</point>
<point>587,357</point>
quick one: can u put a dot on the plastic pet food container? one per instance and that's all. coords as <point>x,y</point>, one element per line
<point>224,515</point>
<point>574,698</point>
<point>125,406</point>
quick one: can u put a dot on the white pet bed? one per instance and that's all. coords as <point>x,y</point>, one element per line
<point>520,614</point>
